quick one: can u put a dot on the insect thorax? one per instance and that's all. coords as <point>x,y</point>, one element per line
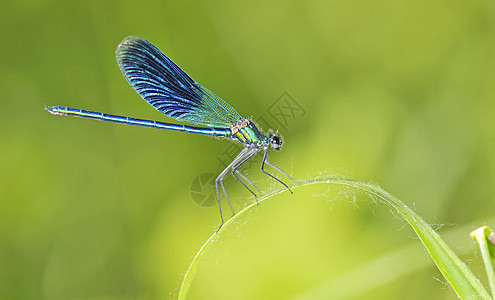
<point>245,131</point>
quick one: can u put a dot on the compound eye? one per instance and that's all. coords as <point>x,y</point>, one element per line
<point>275,142</point>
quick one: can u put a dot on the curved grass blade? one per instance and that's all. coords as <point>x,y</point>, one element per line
<point>482,236</point>
<point>462,280</point>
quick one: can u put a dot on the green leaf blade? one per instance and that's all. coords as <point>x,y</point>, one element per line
<point>462,280</point>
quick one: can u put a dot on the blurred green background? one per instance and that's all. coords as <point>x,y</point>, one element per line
<point>398,93</point>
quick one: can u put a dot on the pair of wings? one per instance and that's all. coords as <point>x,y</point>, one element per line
<point>167,88</point>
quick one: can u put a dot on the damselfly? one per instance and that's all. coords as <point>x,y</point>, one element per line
<point>172,92</point>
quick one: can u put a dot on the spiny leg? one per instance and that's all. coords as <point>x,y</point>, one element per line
<point>249,181</point>
<point>250,154</point>
<point>263,170</point>
<point>227,197</point>
<point>219,205</point>
<point>239,160</point>
<point>220,177</point>
<point>268,163</point>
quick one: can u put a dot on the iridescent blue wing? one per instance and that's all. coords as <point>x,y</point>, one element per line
<point>169,89</point>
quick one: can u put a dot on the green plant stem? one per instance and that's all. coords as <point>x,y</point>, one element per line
<point>464,283</point>
<point>481,236</point>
